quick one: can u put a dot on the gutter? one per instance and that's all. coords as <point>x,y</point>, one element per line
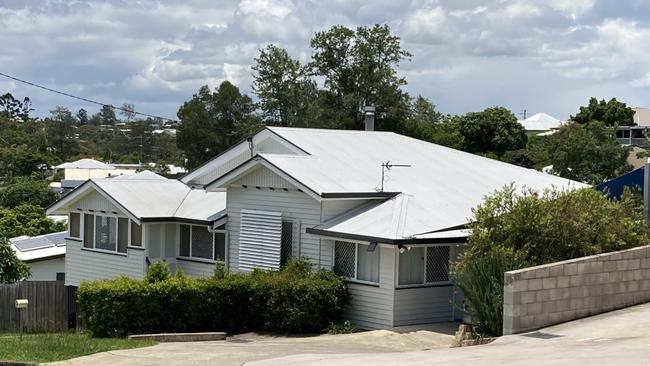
<point>392,241</point>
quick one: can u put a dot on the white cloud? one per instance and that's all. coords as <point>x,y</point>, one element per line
<point>549,55</point>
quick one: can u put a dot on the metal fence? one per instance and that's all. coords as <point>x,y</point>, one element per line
<point>52,306</point>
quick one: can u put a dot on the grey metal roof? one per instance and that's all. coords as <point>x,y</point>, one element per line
<point>148,196</point>
<point>85,164</point>
<point>24,243</point>
<point>437,192</point>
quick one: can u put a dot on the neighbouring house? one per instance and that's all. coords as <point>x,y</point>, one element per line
<point>44,254</point>
<point>541,124</point>
<point>635,135</point>
<point>385,211</point>
<point>77,172</point>
<point>120,225</point>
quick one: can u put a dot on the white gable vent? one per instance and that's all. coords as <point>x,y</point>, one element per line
<point>260,240</point>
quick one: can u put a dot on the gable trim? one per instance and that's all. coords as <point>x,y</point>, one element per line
<point>257,160</point>
<point>198,171</point>
<point>89,184</point>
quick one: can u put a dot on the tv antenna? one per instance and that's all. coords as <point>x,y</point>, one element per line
<point>387,166</point>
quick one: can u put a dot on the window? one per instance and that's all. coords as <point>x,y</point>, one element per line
<point>286,242</point>
<point>199,242</point>
<point>105,233</point>
<point>89,229</point>
<point>202,243</point>
<point>108,233</point>
<point>354,261</point>
<point>75,225</point>
<point>136,234</point>
<point>424,265</point>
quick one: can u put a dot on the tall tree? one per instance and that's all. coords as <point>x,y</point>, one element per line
<point>423,119</point>
<point>495,130</point>
<point>287,95</point>
<point>107,115</point>
<point>210,121</point>
<point>60,129</point>
<point>611,113</point>
<point>359,68</point>
<point>128,111</point>
<point>587,153</point>
<point>15,108</point>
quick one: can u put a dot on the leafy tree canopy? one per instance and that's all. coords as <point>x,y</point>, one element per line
<point>27,190</point>
<point>12,269</point>
<point>211,122</point>
<point>494,130</point>
<point>611,113</point>
<point>359,67</point>
<point>287,95</point>
<point>587,153</point>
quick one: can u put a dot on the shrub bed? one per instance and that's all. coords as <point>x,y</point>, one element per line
<point>293,300</point>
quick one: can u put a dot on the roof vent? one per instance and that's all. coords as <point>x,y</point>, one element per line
<point>369,113</point>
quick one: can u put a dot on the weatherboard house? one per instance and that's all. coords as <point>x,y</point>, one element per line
<point>291,192</point>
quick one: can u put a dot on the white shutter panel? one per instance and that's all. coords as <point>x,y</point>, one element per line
<point>260,237</point>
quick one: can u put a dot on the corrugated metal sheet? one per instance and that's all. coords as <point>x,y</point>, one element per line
<point>260,236</point>
<point>442,184</point>
<point>146,195</point>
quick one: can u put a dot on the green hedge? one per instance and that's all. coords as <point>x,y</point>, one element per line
<point>288,301</point>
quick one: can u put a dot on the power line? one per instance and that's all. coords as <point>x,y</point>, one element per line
<point>84,99</point>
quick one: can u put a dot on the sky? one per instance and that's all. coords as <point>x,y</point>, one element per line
<point>535,55</point>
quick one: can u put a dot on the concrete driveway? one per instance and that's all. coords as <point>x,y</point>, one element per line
<point>240,349</point>
<point>616,338</point>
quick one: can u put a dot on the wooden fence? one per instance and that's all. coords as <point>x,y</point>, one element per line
<point>52,306</point>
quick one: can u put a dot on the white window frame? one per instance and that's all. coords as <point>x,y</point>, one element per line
<point>214,252</point>
<point>94,224</point>
<point>425,283</point>
<point>356,262</point>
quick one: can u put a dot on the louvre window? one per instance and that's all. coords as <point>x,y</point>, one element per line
<point>354,261</point>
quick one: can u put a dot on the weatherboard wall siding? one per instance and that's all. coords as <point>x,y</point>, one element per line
<point>372,307</point>
<point>294,205</point>
<point>86,265</point>
<point>423,305</point>
<point>196,269</point>
<point>94,201</point>
<point>46,270</point>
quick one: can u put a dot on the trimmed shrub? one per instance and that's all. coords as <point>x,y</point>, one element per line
<point>280,301</point>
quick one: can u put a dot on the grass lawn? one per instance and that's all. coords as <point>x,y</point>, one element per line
<point>49,347</point>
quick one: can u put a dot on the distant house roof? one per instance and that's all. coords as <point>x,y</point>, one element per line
<point>436,193</point>
<point>85,164</point>
<point>541,122</point>
<point>32,248</point>
<point>150,197</point>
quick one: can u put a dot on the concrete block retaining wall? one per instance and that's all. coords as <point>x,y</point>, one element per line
<point>540,296</point>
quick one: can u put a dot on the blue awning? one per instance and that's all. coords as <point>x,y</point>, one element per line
<point>615,187</point>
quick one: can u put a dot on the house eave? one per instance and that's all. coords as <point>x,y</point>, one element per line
<point>393,241</point>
